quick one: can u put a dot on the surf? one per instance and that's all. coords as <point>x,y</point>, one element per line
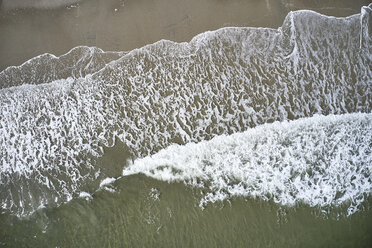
<point>55,124</point>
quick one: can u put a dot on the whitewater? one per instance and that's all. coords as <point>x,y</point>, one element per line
<point>220,103</point>
<point>321,161</point>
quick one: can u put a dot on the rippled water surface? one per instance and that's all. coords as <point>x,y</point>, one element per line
<point>242,136</point>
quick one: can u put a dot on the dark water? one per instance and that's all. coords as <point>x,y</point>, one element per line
<point>241,137</point>
<point>143,212</point>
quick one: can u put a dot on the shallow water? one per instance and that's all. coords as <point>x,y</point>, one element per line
<point>57,120</point>
<point>142,212</point>
<point>242,136</point>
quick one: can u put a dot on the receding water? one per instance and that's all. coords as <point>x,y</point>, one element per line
<point>242,137</point>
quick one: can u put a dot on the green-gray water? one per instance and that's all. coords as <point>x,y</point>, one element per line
<point>143,212</point>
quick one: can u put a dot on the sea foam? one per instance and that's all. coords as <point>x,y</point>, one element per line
<point>37,4</point>
<point>322,161</point>
<point>55,123</point>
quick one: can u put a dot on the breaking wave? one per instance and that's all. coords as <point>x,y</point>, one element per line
<point>321,161</point>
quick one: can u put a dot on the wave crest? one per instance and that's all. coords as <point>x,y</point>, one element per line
<point>320,161</point>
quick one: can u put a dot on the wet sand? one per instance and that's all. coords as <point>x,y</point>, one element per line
<point>127,24</point>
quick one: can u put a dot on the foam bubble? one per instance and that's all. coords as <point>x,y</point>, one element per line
<point>85,195</point>
<point>107,181</point>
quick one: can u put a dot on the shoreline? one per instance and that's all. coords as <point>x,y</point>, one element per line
<point>125,25</point>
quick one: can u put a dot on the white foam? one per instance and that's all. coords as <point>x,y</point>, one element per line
<point>46,68</point>
<point>107,181</point>
<point>85,195</point>
<point>321,161</point>
<point>221,82</point>
<point>38,4</point>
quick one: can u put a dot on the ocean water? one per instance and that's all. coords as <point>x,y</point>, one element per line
<point>238,132</point>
